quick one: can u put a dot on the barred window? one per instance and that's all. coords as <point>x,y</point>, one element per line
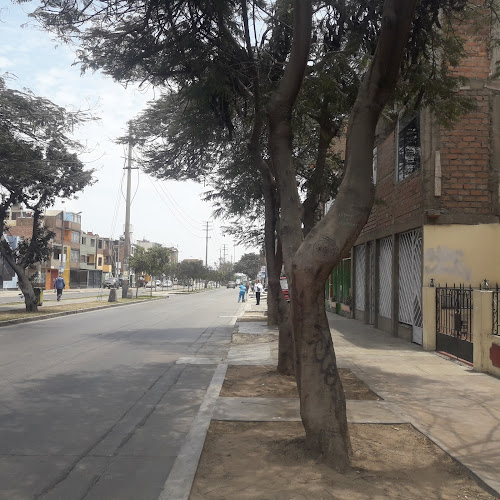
<point>408,145</point>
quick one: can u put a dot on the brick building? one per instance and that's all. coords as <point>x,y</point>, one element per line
<point>435,219</point>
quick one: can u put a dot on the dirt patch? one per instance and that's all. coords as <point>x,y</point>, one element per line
<point>264,382</point>
<point>268,460</point>
<point>251,338</point>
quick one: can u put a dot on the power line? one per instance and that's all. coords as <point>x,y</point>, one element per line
<point>181,214</point>
<point>164,185</point>
<point>170,209</point>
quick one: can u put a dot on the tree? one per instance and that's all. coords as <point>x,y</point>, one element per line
<point>249,264</point>
<point>189,270</point>
<point>38,164</point>
<point>251,91</point>
<point>154,261</point>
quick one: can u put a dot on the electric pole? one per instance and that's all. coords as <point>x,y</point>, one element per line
<point>224,249</point>
<point>126,249</point>
<point>206,245</point>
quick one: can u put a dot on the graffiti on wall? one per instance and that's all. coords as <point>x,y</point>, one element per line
<point>444,260</point>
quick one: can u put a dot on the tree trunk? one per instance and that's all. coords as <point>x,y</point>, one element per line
<point>308,263</point>
<point>24,283</point>
<point>322,399</point>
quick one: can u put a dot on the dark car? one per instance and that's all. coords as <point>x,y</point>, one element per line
<point>231,284</point>
<point>111,283</point>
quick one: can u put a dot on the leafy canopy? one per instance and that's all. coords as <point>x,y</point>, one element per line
<point>38,162</point>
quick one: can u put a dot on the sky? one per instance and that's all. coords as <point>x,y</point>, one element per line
<point>168,212</point>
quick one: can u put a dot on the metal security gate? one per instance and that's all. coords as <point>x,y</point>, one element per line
<point>454,321</point>
<point>371,282</point>
<point>410,282</point>
<point>385,278</point>
<point>359,269</point>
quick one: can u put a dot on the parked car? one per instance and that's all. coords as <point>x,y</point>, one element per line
<point>111,283</point>
<point>231,284</point>
<point>166,283</point>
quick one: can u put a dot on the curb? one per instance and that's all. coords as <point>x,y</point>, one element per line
<point>9,322</point>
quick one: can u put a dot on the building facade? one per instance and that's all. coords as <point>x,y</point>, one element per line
<point>435,220</point>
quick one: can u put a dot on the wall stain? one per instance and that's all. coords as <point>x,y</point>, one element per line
<point>444,260</point>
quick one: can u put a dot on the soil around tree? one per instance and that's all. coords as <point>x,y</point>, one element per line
<point>264,381</point>
<point>269,461</point>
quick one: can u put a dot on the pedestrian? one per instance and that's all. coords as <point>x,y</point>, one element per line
<point>59,285</point>
<point>247,288</point>
<point>243,291</point>
<point>258,289</point>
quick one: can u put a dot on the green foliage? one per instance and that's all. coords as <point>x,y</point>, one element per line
<point>218,63</point>
<point>154,261</point>
<point>249,264</point>
<point>38,163</point>
<point>192,269</point>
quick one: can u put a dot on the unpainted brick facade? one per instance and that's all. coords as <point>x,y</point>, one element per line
<point>458,179</point>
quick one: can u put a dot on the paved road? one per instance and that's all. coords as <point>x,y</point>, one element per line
<point>97,405</point>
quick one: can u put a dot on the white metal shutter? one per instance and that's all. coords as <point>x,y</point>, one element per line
<point>385,278</point>
<point>359,255</point>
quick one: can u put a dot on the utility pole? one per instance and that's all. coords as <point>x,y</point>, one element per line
<point>224,249</point>
<point>206,245</point>
<point>126,249</point>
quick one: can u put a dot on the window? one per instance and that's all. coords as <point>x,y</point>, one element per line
<point>84,240</point>
<point>75,236</point>
<point>92,242</point>
<point>99,245</point>
<point>83,259</point>
<point>408,147</point>
<point>75,256</point>
<point>99,261</point>
<point>374,165</point>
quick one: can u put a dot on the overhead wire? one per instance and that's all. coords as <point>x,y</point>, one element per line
<point>180,208</point>
<point>162,198</point>
<point>200,226</point>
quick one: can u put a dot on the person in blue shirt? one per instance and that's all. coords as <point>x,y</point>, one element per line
<point>243,291</point>
<point>59,285</point>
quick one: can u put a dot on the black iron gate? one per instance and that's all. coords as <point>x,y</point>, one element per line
<point>454,321</point>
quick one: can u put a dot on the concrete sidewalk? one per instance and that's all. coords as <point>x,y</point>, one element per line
<point>455,407</point>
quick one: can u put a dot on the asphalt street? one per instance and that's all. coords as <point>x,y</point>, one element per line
<point>97,405</point>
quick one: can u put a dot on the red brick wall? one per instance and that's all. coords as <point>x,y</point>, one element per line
<point>395,202</point>
<point>22,231</point>
<point>476,64</point>
<point>465,166</point>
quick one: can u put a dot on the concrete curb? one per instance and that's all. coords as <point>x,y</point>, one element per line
<point>180,480</point>
<point>10,322</point>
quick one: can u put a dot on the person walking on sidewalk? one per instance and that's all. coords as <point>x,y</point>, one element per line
<point>59,285</point>
<point>259,288</point>
<point>243,291</point>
